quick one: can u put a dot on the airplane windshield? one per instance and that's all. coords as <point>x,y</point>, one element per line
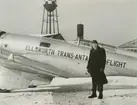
<point>56,36</point>
<point>43,44</point>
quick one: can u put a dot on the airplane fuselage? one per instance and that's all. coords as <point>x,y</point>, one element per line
<point>67,59</point>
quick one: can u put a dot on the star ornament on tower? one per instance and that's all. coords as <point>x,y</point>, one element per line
<point>50,5</point>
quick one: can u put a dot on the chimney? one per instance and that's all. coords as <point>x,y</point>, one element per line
<point>80,31</point>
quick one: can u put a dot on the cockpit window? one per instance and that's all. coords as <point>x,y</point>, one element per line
<point>2,32</point>
<point>55,36</point>
<point>43,44</point>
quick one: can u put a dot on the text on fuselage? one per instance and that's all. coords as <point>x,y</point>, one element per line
<point>116,63</point>
<point>50,52</point>
<point>71,55</point>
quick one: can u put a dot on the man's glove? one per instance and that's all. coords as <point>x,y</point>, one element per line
<point>88,70</point>
<point>101,70</point>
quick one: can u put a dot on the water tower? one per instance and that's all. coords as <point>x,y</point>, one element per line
<point>50,23</point>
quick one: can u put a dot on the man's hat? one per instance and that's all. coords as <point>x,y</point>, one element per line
<point>94,41</point>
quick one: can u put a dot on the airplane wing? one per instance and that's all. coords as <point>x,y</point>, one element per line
<point>74,87</point>
<point>19,66</point>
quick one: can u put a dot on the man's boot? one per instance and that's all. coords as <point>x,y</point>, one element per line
<point>93,95</point>
<point>100,91</point>
<point>100,95</point>
<point>93,91</point>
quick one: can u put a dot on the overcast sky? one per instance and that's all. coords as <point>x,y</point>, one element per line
<point>108,21</point>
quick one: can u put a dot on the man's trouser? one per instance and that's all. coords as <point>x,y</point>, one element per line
<point>95,86</point>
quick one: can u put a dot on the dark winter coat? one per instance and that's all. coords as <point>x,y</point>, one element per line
<point>97,61</point>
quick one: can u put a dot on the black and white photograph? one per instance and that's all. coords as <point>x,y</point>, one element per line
<point>68,52</point>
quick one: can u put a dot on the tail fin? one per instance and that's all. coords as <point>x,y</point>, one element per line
<point>130,46</point>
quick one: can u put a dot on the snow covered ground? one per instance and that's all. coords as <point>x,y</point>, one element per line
<point>119,91</point>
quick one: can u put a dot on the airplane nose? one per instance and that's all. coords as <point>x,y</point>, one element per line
<point>2,32</point>
<point>0,43</point>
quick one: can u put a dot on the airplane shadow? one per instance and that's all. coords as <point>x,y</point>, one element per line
<point>74,88</point>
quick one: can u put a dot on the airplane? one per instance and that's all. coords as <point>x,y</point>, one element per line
<point>24,58</point>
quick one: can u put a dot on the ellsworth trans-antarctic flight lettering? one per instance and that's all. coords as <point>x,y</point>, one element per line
<point>71,55</point>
